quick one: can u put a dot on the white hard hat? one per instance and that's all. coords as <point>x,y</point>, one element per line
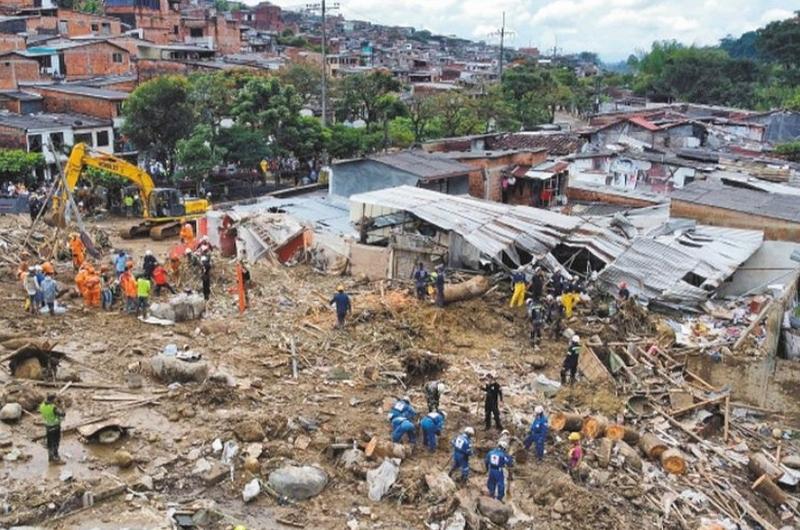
<point>550,297</point>
<point>502,444</point>
<point>148,252</point>
<point>441,388</point>
<point>187,251</point>
<point>389,416</point>
<point>539,409</point>
<point>405,398</point>
<point>433,414</point>
<point>469,431</point>
<point>443,413</point>
<point>576,339</point>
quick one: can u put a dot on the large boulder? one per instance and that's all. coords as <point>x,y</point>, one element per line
<point>179,308</point>
<point>249,431</point>
<point>494,510</point>
<point>440,484</point>
<point>298,482</point>
<point>11,412</point>
<point>171,369</point>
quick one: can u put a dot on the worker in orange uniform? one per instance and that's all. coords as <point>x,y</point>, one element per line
<point>187,234</point>
<point>93,288</point>
<point>22,269</point>
<point>78,250</point>
<point>128,285</point>
<point>48,269</point>
<point>80,279</point>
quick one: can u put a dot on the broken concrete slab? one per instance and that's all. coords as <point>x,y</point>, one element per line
<point>179,308</point>
<point>251,490</point>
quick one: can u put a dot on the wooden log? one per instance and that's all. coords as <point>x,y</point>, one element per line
<point>770,491</point>
<point>673,461</point>
<point>616,431</point>
<point>629,455</point>
<point>652,446</point>
<point>594,426</point>
<point>472,288</point>
<point>603,452</point>
<point>759,464</point>
<point>564,421</point>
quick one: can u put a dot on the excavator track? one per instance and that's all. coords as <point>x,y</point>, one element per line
<point>166,230</point>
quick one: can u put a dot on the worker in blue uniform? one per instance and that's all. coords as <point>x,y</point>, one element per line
<point>432,425</point>
<point>462,450</point>
<point>496,460</point>
<point>538,434</point>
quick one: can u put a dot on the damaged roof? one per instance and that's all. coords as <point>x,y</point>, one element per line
<point>423,165</point>
<point>762,204</point>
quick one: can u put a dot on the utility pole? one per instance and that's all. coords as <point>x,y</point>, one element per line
<point>323,9</point>
<point>502,32</point>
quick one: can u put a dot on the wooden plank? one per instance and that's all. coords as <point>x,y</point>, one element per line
<point>591,367</point>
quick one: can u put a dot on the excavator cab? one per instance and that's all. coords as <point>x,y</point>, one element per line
<point>166,202</point>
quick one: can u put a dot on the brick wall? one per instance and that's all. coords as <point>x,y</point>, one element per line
<point>55,101</point>
<point>485,179</point>
<point>12,138</point>
<point>15,69</point>
<point>774,229</point>
<point>96,59</point>
<point>11,42</point>
<point>11,105</point>
<point>587,195</point>
<point>84,24</point>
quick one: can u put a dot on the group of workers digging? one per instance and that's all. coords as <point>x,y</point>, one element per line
<point>498,461</point>
<point>117,280</point>
<point>429,284</point>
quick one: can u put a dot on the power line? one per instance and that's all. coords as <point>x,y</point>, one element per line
<point>323,8</point>
<point>502,32</point>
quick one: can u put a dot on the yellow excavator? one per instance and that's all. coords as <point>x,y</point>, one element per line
<point>163,209</point>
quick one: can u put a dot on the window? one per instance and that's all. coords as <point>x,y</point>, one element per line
<point>95,28</point>
<point>116,57</point>
<point>195,32</point>
<point>58,140</point>
<point>35,143</point>
<point>175,30</point>
<point>105,28</point>
<point>83,138</point>
<point>62,26</point>
<point>102,139</point>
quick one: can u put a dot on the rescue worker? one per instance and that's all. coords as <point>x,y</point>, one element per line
<point>120,262</point>
<point>536,316</point>
<point>518,284</point>
<point>48,268</point>
<point>432,425</point>
<point>127,284</point>
<point>39,274</point>
<point>536,286</point>
<point>187,234</point>
<point>49,293</point>
<point>557,318</point>
<point>78,250</point>
<point>343,306</point>
<point>204,247</point>
<point>570,365</point>
<point>106,286</point>
<point>161,280</point>
<point>538,434</point>
<point>624,293</point>
<point>462,450</point>
<point>569,300</point>
<point>440,285</point>
<point>149,263</point>
<point>403,408</point>
<point>549,308</point>
<point>575,454</point>
<point>420,277</point>
<point>22,268</point>
<point>142,295</point>
<point>433,392</point>
<point>557,283</point>
<point>31,287</point>
<point>92,288</point>
<point>496,460</point>
<point>403,427</point>
<point>80,279</point>
<point>127,201</point>
<point>205,275</point>
<point>52,417</point>
<point>492,400</point>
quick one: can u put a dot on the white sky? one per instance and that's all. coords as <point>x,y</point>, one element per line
<point>612,28</point>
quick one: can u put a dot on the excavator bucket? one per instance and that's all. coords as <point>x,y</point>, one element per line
<point>56,218</point>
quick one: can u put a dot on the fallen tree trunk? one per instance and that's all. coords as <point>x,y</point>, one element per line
<point>629,455</point>
<point>673,462</point>
<point>594,426</point>
<point>564,421</point>
<point>603,452</point>
<point>759,464</point>
<point>770,491</point>
<point>622,432</point>
<point>652,446</point>
<point>472,288</point>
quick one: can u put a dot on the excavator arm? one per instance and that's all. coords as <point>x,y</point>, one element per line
<point>83,156</point>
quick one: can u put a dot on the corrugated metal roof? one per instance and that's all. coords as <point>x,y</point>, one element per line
<point>716,194</point>
<point>422,164</point>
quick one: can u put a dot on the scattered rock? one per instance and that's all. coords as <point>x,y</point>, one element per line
<point>251,490</point>
<point>11,412</point>
<point>494,510</point>
<point>30,368</point>
<point>298,483</point>
<point>65,475</point>
<point>254,450</point>
<point>171,369</point>
<point>13,455</point>
<point>792,461</point>
<point>382,478</point>
<point>537,362</point>
<point>251,465</point>
<point>145,482</point>
<point>302,442</point>
<point>215,474</point>
<point>194,454</point>
<point>456,522</point>
<point>440,484</point>
<point>352,459</point>
<point>249,431</point>
<point>201,466</point>
<point>122,458</point>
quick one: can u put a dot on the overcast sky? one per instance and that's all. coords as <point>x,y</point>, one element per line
<point>612,28</point>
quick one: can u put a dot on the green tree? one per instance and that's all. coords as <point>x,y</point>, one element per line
<point>305,138</point>
<point>18,165</point>
<point>345,142</point>
<point>243,146</point>
<point>743,47</point>
<point>454,114</point>
<point>199,154</point>
<point>401,132</point>
<point>158,114</point>
<point>211,96</point>
<point>790,151</point>
<point>360,96</point>
<point>306,80</point>
<point>779,41</point>
<point>265,104</point>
